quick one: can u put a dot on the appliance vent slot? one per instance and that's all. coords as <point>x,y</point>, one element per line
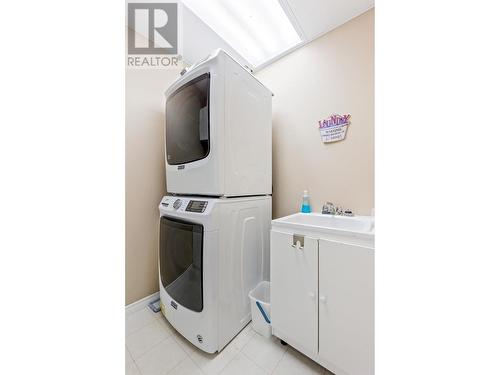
<point>200,338</point>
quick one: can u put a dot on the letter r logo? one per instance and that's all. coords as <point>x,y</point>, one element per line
<point>156,21</point>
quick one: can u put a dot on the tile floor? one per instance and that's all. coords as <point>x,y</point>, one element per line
<point>153,347</point>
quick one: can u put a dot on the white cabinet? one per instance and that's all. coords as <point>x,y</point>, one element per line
<point>346,306</point>
<point>322,299</point>
<point>294,286</point>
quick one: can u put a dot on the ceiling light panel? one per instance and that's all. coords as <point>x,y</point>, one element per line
<point>257,29</point>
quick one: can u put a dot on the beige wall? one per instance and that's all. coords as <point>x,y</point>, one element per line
<point>333,74</point>
<point>144,177</point>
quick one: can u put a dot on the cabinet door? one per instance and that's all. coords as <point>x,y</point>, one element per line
<point>346,307</point>
<point>294,284</point>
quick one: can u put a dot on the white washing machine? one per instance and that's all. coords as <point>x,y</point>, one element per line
<point>218,131</point>
<point>212,252</point>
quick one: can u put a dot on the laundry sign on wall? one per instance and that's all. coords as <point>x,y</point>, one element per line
<point>334,128</point>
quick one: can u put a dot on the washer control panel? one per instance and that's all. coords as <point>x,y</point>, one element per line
<point>172,203</point>
<point>196,206</point>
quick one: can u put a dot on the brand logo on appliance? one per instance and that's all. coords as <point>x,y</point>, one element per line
<point>173,304</point>
<point>181,167</point>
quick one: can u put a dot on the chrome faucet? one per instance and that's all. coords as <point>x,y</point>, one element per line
<point>330,209</point>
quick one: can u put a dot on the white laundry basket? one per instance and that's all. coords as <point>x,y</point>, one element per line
<point>261,308</point>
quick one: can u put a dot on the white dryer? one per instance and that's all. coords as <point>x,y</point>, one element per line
<point>212,252</point>
<point>218,131</point>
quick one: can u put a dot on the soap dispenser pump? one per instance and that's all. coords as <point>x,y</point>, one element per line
<point>306,207</point>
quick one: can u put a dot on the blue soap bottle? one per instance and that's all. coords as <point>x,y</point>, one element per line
<point>306,207</point>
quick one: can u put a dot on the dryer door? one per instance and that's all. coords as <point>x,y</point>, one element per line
<point>188,122</point>
<point>181,260</point>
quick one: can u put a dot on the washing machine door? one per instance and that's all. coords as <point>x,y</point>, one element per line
<point>181,266</point>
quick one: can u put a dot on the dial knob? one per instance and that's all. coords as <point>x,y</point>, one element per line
<point>177,204</point>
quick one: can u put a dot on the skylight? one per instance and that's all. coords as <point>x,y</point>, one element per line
<point>257,29</point>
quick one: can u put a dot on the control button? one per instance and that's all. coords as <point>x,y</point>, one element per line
<point>177,204</point>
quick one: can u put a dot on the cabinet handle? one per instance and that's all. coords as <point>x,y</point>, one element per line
<point>322,299</point>
<point>311,295</point>
<point>298,241</point>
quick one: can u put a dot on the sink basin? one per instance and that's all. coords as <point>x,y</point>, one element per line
<point>356,224</point>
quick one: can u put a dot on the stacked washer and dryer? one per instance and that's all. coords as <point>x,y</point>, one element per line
<point>216,217</point>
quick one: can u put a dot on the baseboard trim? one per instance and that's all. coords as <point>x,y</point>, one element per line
<point>142,303</point>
